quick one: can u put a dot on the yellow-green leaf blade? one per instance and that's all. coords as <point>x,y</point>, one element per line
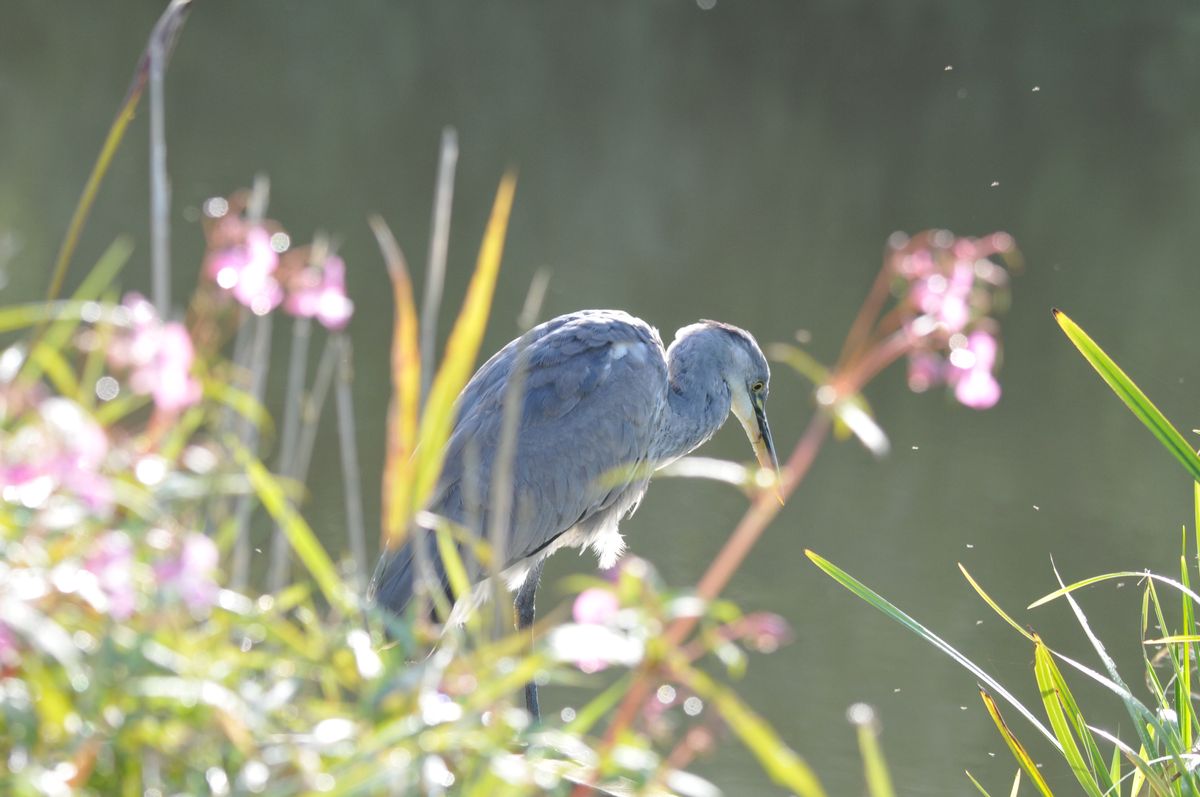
<point>1132,395</point>
<point>777,759</point>
<point>299,535</point>
<point>463,346</point>
<point>882,604</point>
<point>1018,750</point>
<point>405,407</point>
<point>1043,669</point>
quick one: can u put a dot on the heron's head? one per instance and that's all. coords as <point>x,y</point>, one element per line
<point>745,370</point>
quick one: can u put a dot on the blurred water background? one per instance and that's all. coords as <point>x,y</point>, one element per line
<point>743,162</point>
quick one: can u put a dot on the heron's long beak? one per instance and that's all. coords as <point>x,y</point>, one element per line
<point>753,415</point>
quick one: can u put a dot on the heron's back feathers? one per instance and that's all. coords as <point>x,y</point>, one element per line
<point>595,386</point>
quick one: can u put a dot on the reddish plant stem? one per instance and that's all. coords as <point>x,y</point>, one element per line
<point>858,338</point>
<point>758,516</point>
<point>761,512</point>
<point>868,367</point>
<point>862,365</point>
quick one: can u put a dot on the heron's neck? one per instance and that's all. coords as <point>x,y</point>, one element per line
<point>698,404</point>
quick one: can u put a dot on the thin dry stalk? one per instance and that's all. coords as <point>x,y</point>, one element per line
<point>286,462</point>
<point>351,477</point>
<point>439,244</point>
<point>502,475</point>
<point>160,192</point>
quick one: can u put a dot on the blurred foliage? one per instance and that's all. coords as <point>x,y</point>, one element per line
<point>129,664</point>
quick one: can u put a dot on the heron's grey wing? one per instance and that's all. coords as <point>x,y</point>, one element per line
<point>595,386</point>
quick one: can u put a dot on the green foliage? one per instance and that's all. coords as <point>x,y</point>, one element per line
<point>130,660</point>
<point>1164,722</point>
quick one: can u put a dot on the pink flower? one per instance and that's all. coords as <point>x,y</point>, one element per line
<point>192,576</point>
<point>247,270</point>
<point>10,655</point>
<point>320,293</point>
<point>916,265</point>
<point>971,374</point>
<point>945,298</point>
<point>159,357</point>
<point>925,370</point>
<point>764,631</point>
<point>594,606</point>
<point>64,449</point>
<point>111,562</point>
<point>166,372</point>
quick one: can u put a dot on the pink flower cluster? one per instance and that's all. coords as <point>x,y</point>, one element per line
<point>247,270</point>
<point>950,290</point>
<point>54,462</point>
<point>189,575</point>
<point>258,267</point>
<point>595,606</point>
<point>157,355</point>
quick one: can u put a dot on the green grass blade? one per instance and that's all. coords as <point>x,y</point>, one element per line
<point>1196,514</point>
<point>777,759</point>
<point>1089,672</point>
<point>597,708</point>
<point>1114,772</point>
<point>167,27</point>
<point>1082,729</point>
<point>241,402</point>
<point>405,405</point>
<point>1172,639</point>
<point>1131,394</point>
<point>1064,590</point>
<point>306,545</point>
<point>458,363</point>
<point>94,284</point>
<point>1143,772</point>
<point>1138,713</point>
<point>879,781</point>
<point>866,594</point>
<point>1048,685</point>
<point>1183,686</point>
<point>1168,732</point>
<point>995,606</point>
<point>456,573</point>
<point>980,788</point>
<point>1018,750</point>
<point>54,365</point>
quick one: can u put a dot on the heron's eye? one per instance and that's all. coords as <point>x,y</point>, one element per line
<point>757,386</point>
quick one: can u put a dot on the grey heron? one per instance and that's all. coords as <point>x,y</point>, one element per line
<point>601,395</point>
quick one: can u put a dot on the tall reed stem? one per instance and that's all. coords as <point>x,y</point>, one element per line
<point>286,463</point>
<point>351,477</point>
<point>439,244</point>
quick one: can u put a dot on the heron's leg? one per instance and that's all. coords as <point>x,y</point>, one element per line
<point>525,612</point>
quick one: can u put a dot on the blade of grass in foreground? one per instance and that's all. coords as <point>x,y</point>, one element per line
<point>879,780</point>
<point>94,284</point>
<point>299,535</point>
<point>1018,750</point>
<point>1144,721</point>
<point>461,349</point>
<point>1143,772</point>
<point>1131,394</point>
<point>1049,680</point>
<point>406,390</point>
<point>777,759</point>
<point>979,787</point>
<point>165,32</point>
<point>1061,591</point>
<point>882,604</point>
<point>1183,686</point>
